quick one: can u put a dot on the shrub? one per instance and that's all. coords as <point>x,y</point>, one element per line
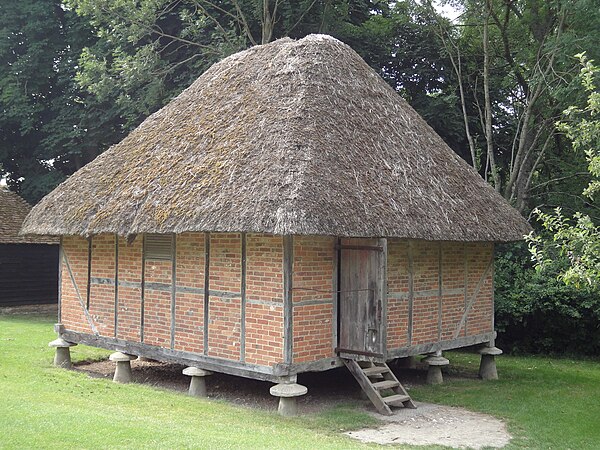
<point>538,313</point>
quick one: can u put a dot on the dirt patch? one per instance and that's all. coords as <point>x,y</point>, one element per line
<point>428,424</point>
<point>38,310</point>
<point>325,389</point>
<point>437,425</point>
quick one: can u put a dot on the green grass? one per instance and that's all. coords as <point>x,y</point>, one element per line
<point>45,407</point>
<point>546,403</point>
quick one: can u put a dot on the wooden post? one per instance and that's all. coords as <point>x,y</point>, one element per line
<point>411,293</point>
<point>173,286</point>
<point>206,290</point>
<point>243,301</point>
<point>288,307</point>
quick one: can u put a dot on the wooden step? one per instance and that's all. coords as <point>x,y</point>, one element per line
<point>386,384</point>
<point>375,370</point>
<point>398,398</point>
<point>367,373</point>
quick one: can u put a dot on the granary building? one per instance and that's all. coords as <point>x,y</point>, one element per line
<point>288,212</point>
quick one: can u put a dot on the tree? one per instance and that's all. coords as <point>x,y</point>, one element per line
<point>515,75</point>
<point>577,238</point>
<point>148,51</point>
<point>49,126</point>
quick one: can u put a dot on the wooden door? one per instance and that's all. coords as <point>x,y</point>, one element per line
<point>362,298</point>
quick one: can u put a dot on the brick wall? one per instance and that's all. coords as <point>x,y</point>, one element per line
<point>130,290</point>
<point>189,306</point>
<point>224,316</point>
<point>397,311</point>
<point>102,295</point>
<point>264,299</point>
<point>480,318</point>
<point>75,250</point>
<point>453,282</point>
<point>462,267</point>
<point>157,302</point>
<point>312,295</point>
<point>425,292</point>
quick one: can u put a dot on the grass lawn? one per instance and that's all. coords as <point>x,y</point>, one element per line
<point>546,403</point>
<point>45,407</point>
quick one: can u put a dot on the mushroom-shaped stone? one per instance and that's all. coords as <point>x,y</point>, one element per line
<point>487,366</point>
<point>123,369</point>
<point>62,356</point>
<point>197,382</point>
<point>287,394</point>
<point>492,351</point>
<point>434,372</point>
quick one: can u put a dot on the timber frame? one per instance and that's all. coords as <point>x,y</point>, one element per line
<point>277,373</point>
<point>287,369</point>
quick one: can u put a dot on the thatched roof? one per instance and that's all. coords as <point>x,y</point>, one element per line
<point>13,210</point>
<point>292,137</point>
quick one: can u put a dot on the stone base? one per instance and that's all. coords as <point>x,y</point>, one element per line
<point>197,382</point>
<point>487,366</point>
<point>434,372</point>
<point>123,369</point>
<point>62,357</point>
<point>287,393</point>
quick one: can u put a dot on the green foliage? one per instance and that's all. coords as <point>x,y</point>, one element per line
<point>50,127</point>
<point>577,239</point>
<point>536,312</point>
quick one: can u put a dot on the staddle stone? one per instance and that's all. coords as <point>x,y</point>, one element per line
<point>62,356</point>
<point>487,366</point>
<point>197,382</point>
<point>123,369</point>
<point>434,372</point>
<point>287,394</point>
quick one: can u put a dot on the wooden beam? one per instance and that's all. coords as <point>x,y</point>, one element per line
<point>89,273</point>
<point>383,288</point>
<point>243,301</point>
<point>86,313</point>
<point>206,290</point>
<point>466,259</point>
<point>143,287</point>
<point>335,296</point>
<point>288,306</point>
<point>376,248</point>
<point>230,367</point>
<point>330,363</point>
<point>471,301</point>
<point>116,311</point>
<point>440,295</point>
<point>173,286</point>
<point>432,347</point>
<point>411,291</point>
<point>60,270</point>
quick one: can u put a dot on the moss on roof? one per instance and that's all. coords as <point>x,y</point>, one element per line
<point>292,137</point>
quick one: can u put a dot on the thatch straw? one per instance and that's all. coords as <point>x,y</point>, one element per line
<point>293,137</point>
<point>13,210</point>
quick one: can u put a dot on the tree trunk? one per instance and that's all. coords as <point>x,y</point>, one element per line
<point>488,102</point>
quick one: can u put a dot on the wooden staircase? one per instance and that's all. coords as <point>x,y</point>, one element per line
<point>376,379</point>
